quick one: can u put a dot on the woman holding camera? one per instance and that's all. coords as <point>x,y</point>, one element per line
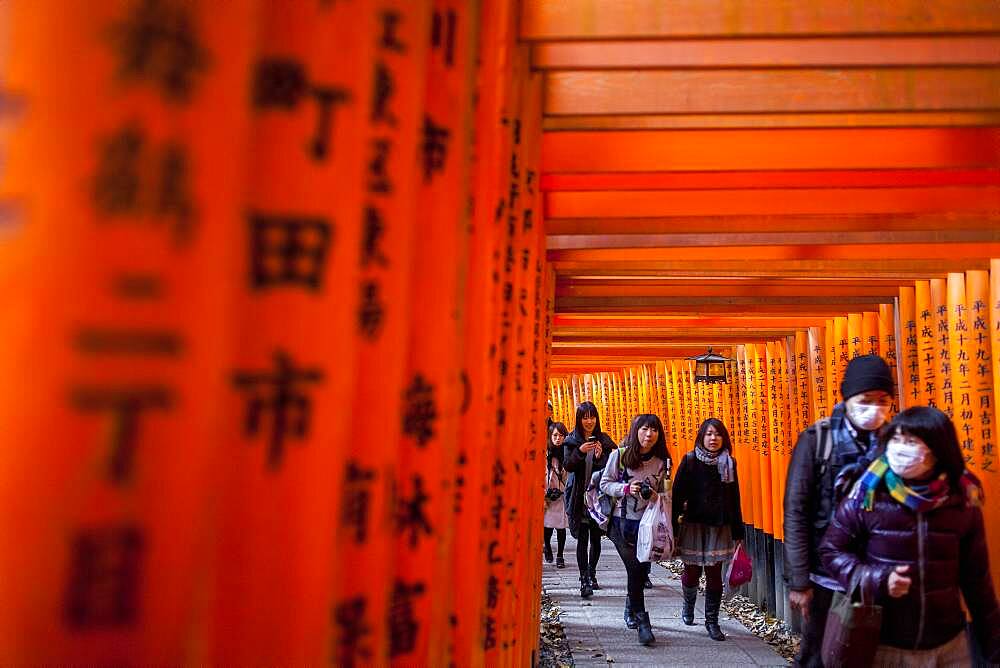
<point>587,443</point>
<point>634,476</point>
<point>708,522</point>
<point>555,488</point>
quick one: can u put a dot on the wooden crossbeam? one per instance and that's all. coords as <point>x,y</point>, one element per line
<point>858,178</point>
<point>568,241</point>
<point>873,253</point>
<point>776,201</point>
<point>772,91</point>
<point>707,336</point>
<point>626,321</point>
<point>617,19</point>
<point>728,150</point>
<point>635,352</point>
<point>615,289</point>
<point>773,223</point>
<point>788,305</point>
<point>866,119</point>
<point>768,52</point>
<point>896,269</point>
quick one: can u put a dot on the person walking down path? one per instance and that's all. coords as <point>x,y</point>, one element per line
<point>586,454</point>
<point>838,448</point>
<point>634,477</point>
<point>555,518</point>
<point>708,521</point>
<point>910,535</point>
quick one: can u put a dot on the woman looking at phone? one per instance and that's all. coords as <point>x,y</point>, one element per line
<point>587,443</point>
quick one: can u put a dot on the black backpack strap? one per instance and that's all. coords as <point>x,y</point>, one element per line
<point>824,446</point>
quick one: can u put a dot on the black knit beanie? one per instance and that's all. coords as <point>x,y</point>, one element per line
<point>866,373</point>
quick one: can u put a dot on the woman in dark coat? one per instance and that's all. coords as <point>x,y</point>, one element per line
<point>911,536</point>
<point>707,494</point>
<point>587,441</point>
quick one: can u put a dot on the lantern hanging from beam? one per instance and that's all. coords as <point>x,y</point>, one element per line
<point>710,368</point>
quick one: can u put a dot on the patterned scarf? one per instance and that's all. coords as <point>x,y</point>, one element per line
<point>720,458</point>
<point>919,498</point>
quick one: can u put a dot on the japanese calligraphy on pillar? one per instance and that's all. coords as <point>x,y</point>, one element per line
<point>431,457</point>
<point>855,335</point>
<point>806,407</point>
<point>120,314</point>
<point>369,504</point>
<point>817,371</point>
<point>942,343</point>
<point>963,366</point>
<point>290,386</point>
<point>977,286</point>
<point>927,349</point>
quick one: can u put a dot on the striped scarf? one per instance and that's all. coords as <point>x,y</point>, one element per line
<point>921,498</point>
<point>720,459</point>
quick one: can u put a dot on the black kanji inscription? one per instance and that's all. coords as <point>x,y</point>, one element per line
<point>371,312</point>
<point>282,83</point>
<point>288,250</point>
<point>118,186</point>
<point>384,89</point>
<point>435,147</point>
<point>411,516</point>
<point>157,42</point>
<point>443,34</point>
<point>403,624</point>
<point>279,393</point>
<point>371,240</point>
<point>353,632</point>
<point>390,24</point>
<point>105,578</point>
<point>125,404</point>
<point>420,410</point>
<point>356,503</point>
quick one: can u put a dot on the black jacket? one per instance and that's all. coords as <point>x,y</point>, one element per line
<point>945,549</point>
<point>702,498</point>
<point>576,463</point>
<point>809,495</point>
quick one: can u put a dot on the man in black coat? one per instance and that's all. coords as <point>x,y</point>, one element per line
<point>833,450</point>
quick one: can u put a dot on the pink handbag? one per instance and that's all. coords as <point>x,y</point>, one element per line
<point>740,568</point>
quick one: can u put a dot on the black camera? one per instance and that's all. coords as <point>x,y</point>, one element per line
<point>553,493</point>
<point>646,490</point>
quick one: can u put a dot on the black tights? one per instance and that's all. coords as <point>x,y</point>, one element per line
<point>560,539</point>
<point>637,571</point>
<point>589,534</point>
<point>713,576</point>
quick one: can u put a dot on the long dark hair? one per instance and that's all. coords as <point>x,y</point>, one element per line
<point>699,440</point>
<point>632,457</point>
<point>935,429</point>
<point>552,450</point>
<point>583,410</point>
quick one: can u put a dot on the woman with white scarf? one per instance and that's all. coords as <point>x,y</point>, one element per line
<point>708,521</point>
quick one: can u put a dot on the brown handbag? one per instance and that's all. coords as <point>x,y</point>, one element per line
<point>853,629</point>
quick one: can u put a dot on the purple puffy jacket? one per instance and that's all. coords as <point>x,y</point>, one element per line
<point>946,552</point>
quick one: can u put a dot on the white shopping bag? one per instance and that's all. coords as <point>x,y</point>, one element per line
<point>656,532</point>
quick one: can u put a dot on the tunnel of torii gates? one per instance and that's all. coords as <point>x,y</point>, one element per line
<point>286,286</point>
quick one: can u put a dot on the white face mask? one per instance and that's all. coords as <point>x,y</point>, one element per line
<point>909,457</point>
<point>867,416</point>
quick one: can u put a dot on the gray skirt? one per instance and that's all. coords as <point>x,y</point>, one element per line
<point>704,545</point>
